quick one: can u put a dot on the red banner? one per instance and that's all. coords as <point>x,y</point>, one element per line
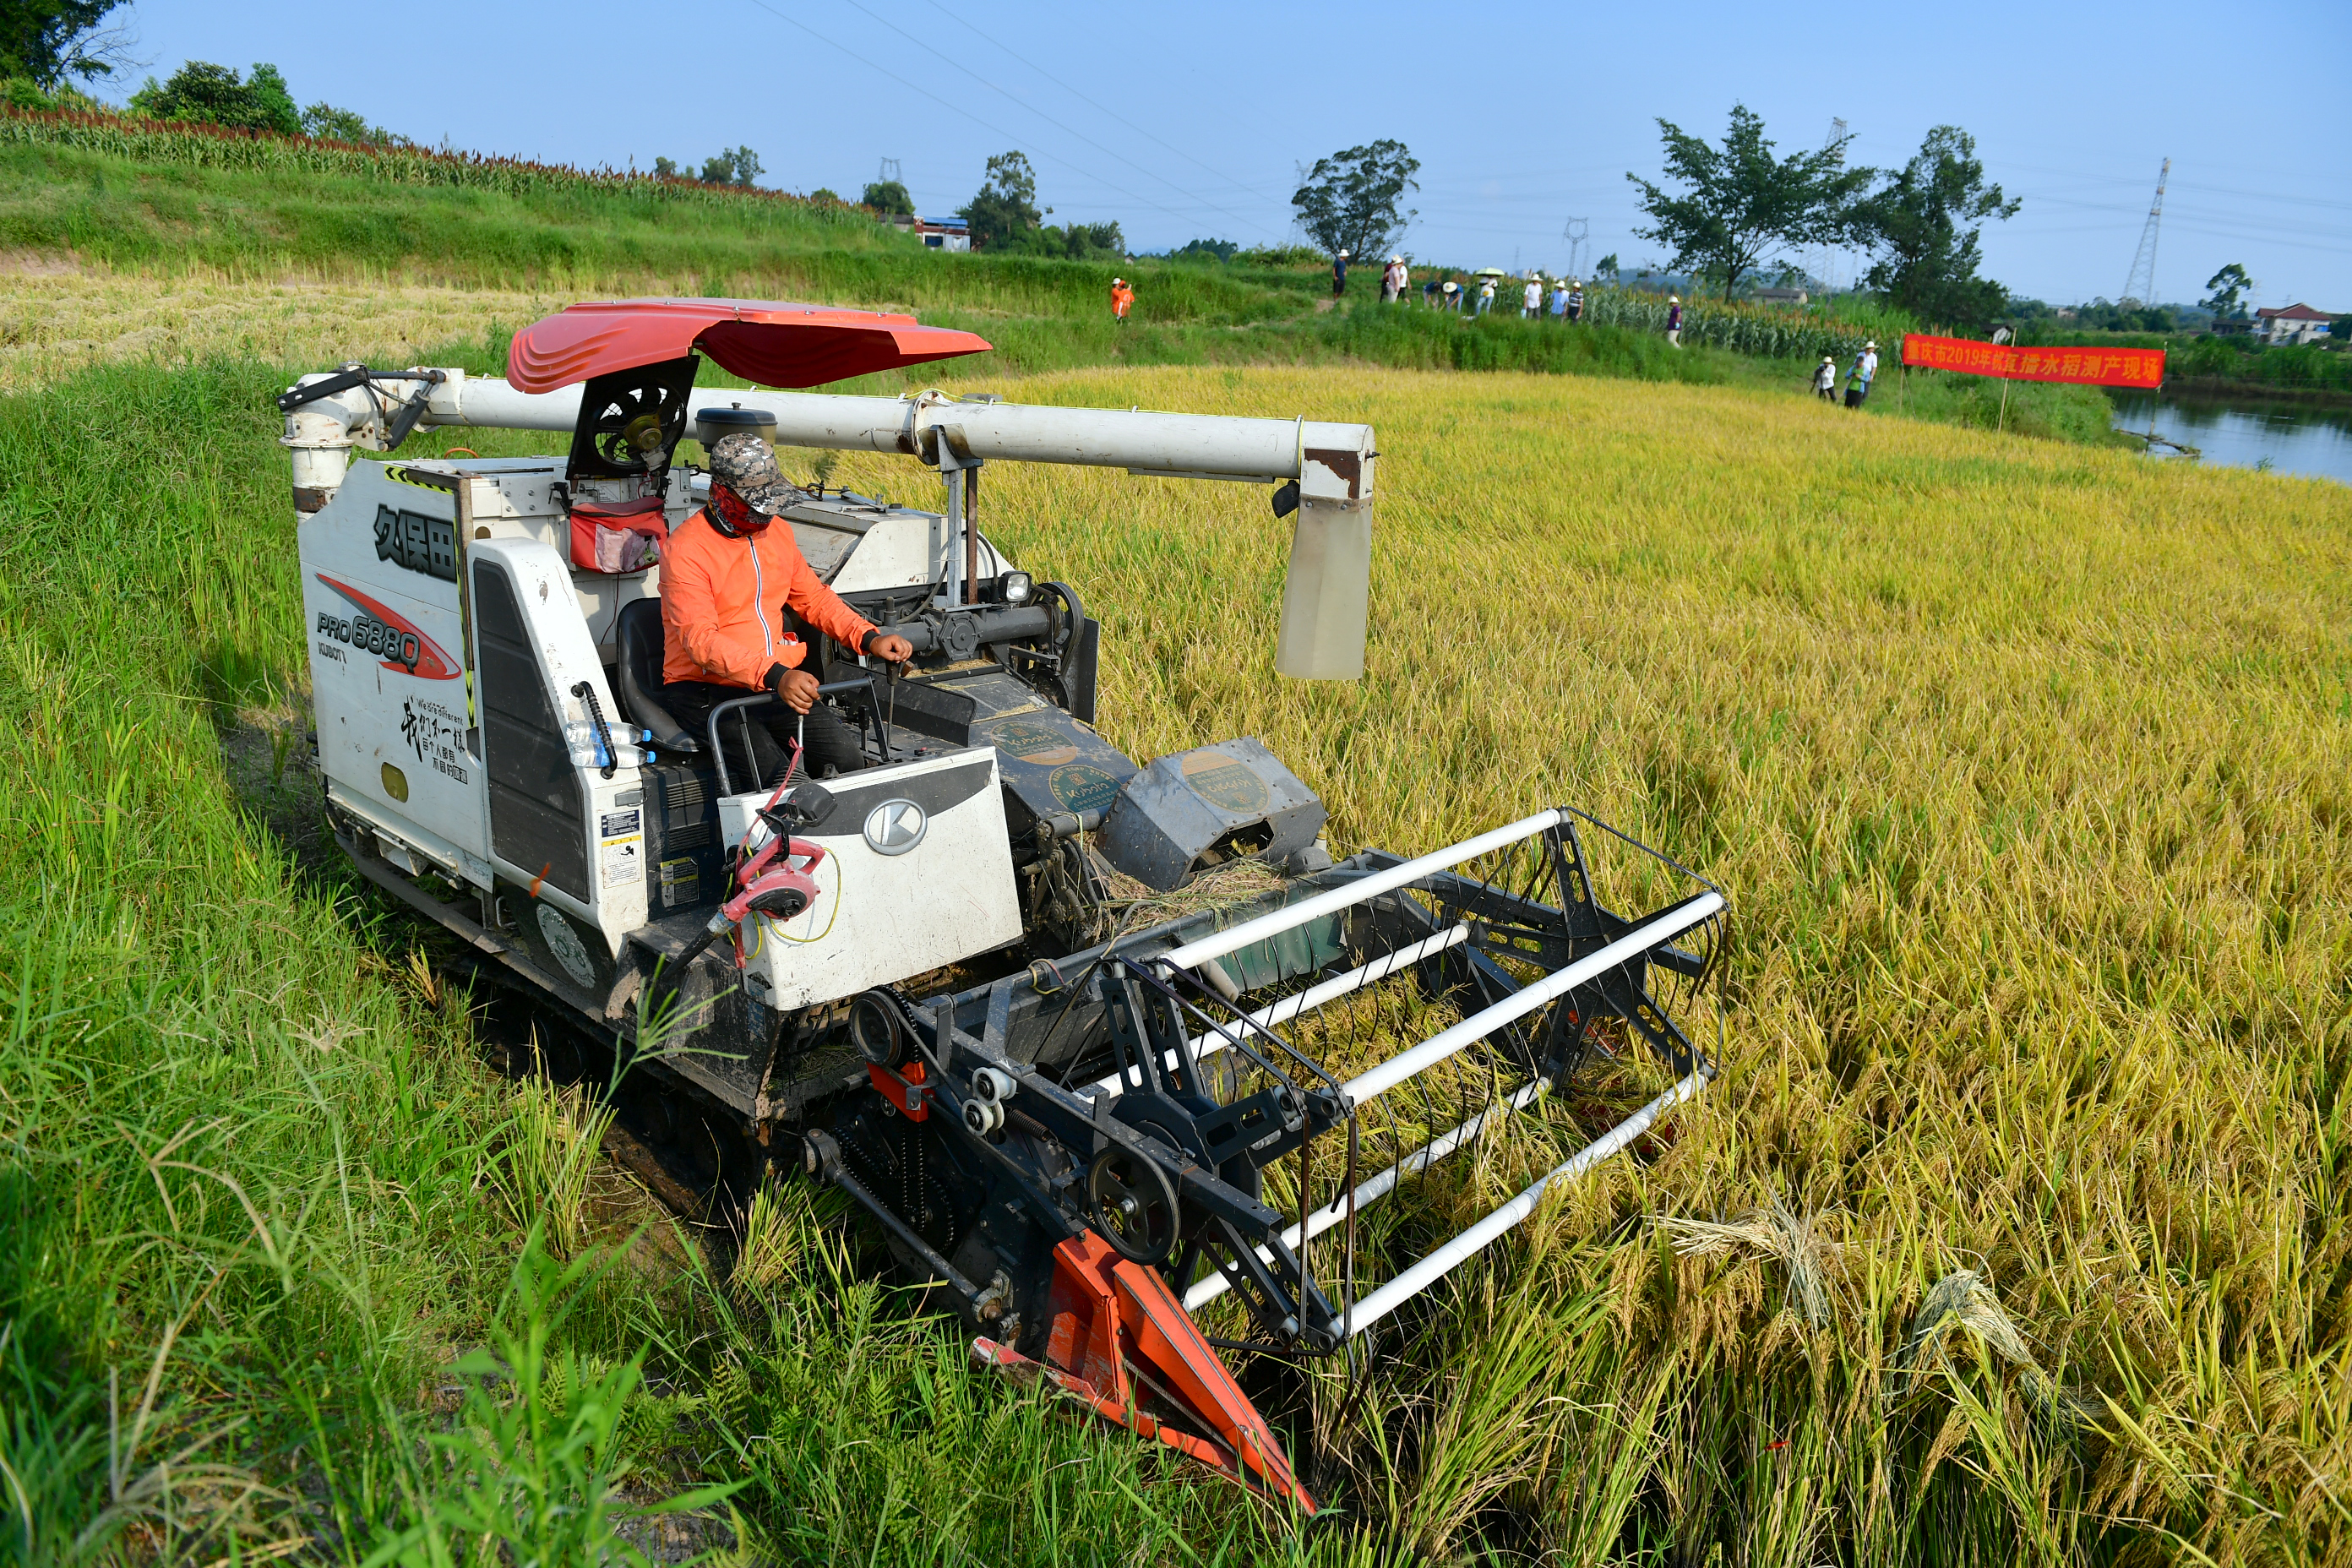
<point>2083,366</point>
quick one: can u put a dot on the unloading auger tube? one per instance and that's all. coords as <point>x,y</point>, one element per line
<point>1323,471</point>
<point>1116,1152</point>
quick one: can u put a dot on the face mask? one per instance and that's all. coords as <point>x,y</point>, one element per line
<point>734,515</point>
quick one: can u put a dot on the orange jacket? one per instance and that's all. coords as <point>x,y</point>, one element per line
<point>1121,299</point>
<point>722,601</point>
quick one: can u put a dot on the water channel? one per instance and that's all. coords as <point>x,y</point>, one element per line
<point>2280,436</point>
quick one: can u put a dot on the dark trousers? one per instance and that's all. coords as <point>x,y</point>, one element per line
<point>1855,394</point>
<point>832,746</point>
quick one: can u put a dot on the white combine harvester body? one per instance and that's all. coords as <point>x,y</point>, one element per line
<point>1072,1142</point>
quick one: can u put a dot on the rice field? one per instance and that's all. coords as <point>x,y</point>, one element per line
<point>2013,1230</point>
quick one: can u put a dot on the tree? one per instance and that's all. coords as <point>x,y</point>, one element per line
<point>734,166</point>
<point>826,194</point>
<point>1205,251</point>
<point>667,169</point>
<point>1741,202</point>
<point>1004,211</point>
<point>329,123</point>
<point>889,198</point>
<point>216,95</point>
<point>1606,268</point>
<point>46,41</point>
<point>1924,224</point>
<point>1349,199</point>
<point>2229,286</point>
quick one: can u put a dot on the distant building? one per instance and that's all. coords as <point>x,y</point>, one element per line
<point>938,233</point>
<point>2295,324</point>
<point>1776,296</point>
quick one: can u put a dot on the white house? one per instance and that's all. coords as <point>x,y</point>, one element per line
<point>938,233</point>
<point>2295,324</point>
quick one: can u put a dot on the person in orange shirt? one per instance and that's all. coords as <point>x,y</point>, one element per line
<point>1121,297</point>
<point>727,575</point>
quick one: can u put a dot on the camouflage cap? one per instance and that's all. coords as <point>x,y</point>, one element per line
<point>747,465</point>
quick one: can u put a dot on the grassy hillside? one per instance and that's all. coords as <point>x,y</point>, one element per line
<point>2024,767</point>
<point>183,204</point>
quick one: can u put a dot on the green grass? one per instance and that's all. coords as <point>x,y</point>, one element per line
<point>2024,767</point>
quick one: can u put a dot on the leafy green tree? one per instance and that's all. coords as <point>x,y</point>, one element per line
<point>2229,287</point>
<point>734,166</point>
<point>1205,251</point>
<point>1350,200</point>
<point>332,124</point>
<point>1740,201</point>
<point>46,41</point>
<point>824,194</point>
<point>1924,223</point>
<point>1004,214</point>
<point>667,169</point>
<point>2340,330</point>
<point>889,198</point>
<point>218,95</point>
<point>1606,268</point>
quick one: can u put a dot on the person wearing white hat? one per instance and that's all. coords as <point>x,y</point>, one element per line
<point>1559,299</point>
<point>1858,380</point>
<point>1338,275</point>
<point>1675,319</point>
<point>1532,300</point>
<point>1575,300</point>
<point>1394,280</point>
<point>1825,379</point>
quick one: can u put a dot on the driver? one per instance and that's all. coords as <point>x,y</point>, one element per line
<point>727,576</point>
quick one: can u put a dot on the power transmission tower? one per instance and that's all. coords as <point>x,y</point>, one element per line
<point>1576,233</point>
<point>1823,263</point>
<point>889,172</point>
<point>2139,288</point>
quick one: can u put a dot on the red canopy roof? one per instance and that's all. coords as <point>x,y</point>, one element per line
<point>768,343</point>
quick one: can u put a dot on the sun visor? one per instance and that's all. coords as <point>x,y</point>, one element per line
<point>767,342</point>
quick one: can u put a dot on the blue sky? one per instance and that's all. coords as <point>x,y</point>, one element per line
<point>1191,121</point>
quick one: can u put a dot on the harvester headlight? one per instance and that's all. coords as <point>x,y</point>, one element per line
<point>1016,588</point>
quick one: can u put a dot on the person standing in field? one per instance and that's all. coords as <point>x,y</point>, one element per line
<point>1858,380</point>
<point>1675,319</point>
<point>1338,275</point>
<point>1121,297</point>
<point>1486,295</point>
<point>1395,279</point>
<point>1825,379</point>
<point>1575,302</point>
<point>1559,299</point>
<point>1531,301</point>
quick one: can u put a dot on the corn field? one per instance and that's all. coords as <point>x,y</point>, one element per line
<point>195,146</point>
<point>1759,330</point>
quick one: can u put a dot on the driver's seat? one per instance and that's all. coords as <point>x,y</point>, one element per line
<point>638,632</point>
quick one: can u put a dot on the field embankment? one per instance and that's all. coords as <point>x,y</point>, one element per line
<point>173,206</point>
<point>2025,769</point>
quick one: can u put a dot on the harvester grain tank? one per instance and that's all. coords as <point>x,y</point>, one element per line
<point>1071,1141</point>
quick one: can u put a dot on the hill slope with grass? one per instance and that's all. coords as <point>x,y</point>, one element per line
<point>125,196</point>
<point>2023,767</point>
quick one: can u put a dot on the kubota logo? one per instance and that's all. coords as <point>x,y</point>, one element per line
<point>392,636</point>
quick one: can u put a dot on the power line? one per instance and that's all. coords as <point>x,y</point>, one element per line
<point>1021,61</point>
<point>947,104</point>
<point>1040,113</point>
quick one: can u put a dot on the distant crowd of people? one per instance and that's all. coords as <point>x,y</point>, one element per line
<point>1565,304</point>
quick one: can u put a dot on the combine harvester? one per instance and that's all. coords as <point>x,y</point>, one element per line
<point>1075,1146</point>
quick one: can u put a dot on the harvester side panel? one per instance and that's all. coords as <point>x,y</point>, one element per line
<point>387,657</point>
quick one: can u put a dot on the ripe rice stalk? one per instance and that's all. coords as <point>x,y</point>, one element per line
<point>552,1143</point>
